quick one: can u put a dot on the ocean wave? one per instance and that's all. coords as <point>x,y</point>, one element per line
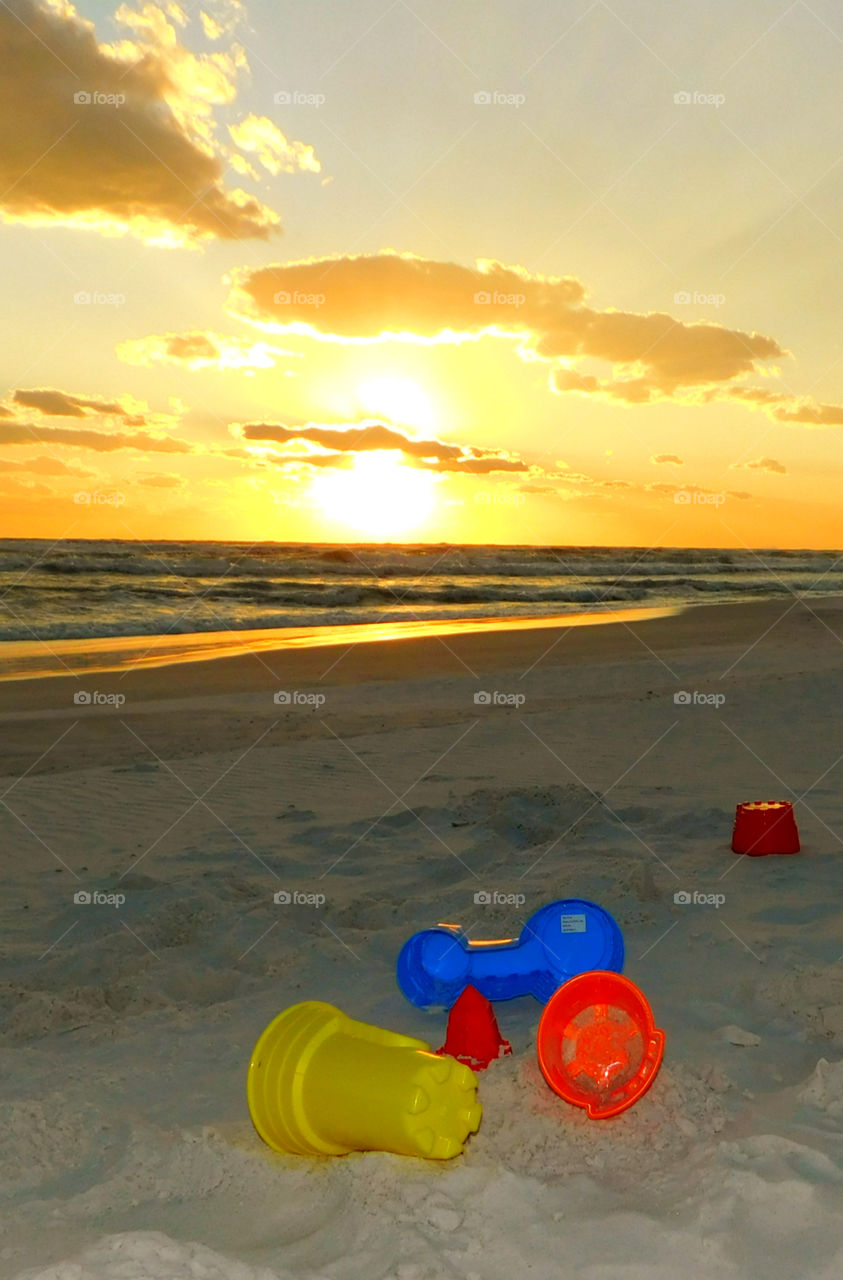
<point>80,589</point>
<point>278,561</point>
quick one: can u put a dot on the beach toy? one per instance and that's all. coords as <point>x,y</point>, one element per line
<point>597,1044</point>
<point>320,1083</point>
<point>473,1033</point>
<point>765,826</point>
<point>557,942</point>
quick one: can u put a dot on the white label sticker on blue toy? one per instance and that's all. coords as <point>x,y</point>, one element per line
<point>573,924</point>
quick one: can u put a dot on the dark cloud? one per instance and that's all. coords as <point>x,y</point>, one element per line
<point>88,438</point>
<point>435,455</point>
<point>62,404</point>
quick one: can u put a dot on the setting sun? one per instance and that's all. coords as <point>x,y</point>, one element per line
<point>399,399</point>
<point>378,495</point>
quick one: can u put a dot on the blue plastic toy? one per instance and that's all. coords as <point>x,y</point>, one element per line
<point>558,942</point>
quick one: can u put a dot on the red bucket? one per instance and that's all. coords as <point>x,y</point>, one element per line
<point>598,1045</point>
<point>765,826</point>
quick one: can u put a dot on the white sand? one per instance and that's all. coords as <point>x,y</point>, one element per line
<point>127,1152</point>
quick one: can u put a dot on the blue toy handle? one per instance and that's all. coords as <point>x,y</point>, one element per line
<point>559,941</point>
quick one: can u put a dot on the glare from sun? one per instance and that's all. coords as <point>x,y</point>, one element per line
<point>401,400</point>
<point>378,496</point>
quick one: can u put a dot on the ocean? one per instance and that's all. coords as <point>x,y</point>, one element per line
<point>82,589</point>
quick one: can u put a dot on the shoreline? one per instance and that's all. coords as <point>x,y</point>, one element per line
<point>524,646</point>
<point>125,653</point>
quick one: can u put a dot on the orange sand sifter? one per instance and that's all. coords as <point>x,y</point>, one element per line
<point>598,1045</point>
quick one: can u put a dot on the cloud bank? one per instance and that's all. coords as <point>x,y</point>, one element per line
<point>649,357</point>
<point>121,138</point>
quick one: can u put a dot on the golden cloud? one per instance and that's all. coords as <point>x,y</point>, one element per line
<point>376,297</point>
<point>62,404</point>
<point>201,349</point>
<point>89,438</point>
<point>43,466</point>
<point>651,357</point>
<point>25,488</point>
<point>258,136</point>
<point>161,480</point>
<point>347,439</point>
<point>117,138</point>
<point>220,18</point>
<point>771,465</point>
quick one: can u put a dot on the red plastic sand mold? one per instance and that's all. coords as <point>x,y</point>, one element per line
<point>598,1046</point>
<point>765,826</point>
<point>473,1036</point>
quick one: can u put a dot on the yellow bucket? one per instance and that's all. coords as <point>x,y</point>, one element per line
<point>320,1083</point>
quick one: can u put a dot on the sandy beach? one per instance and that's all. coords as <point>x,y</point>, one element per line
<point>381,782</point>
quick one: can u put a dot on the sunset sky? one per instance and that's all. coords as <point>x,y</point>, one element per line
<point>484,272</point>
